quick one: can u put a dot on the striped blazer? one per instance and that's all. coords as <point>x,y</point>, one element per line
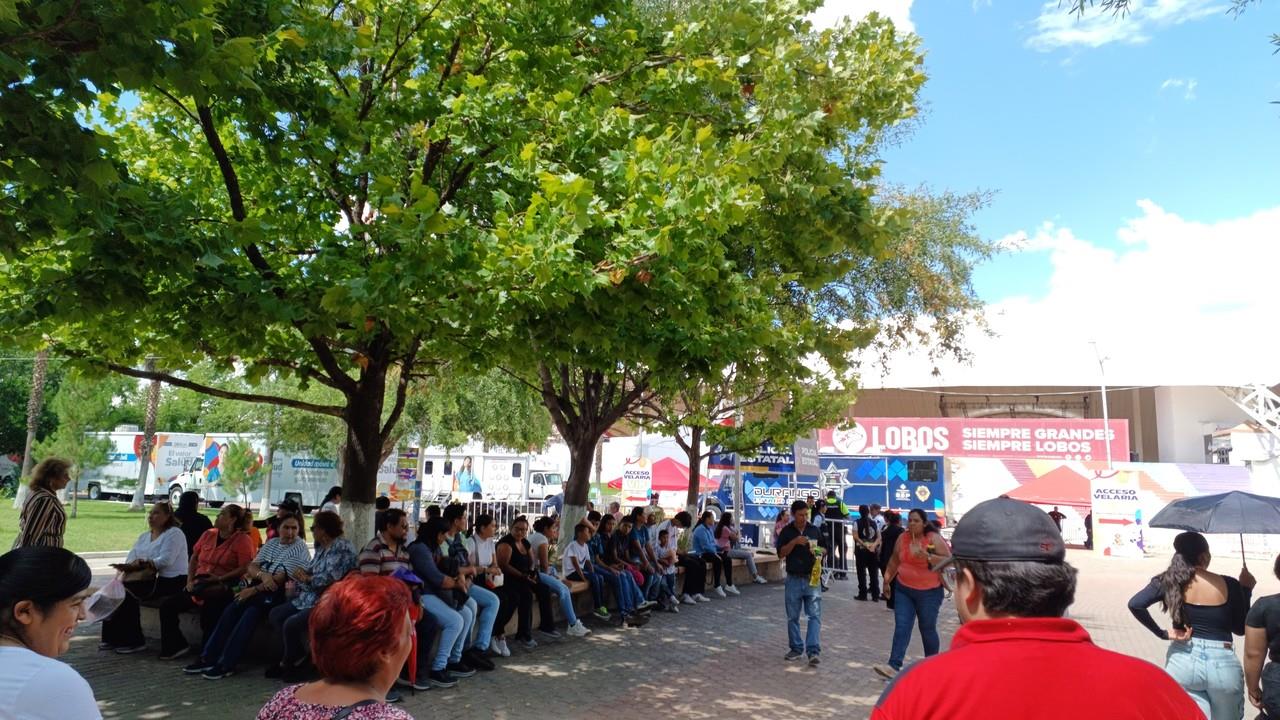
<point>42,522</point>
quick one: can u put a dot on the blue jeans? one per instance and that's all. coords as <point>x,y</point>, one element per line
<point>235,629</point>
<point>453,629</point>
<point>597,587</point>
<point>486,613</point>
<point>561,591</point>
<point>618,583</point>
<point>800,594</point>
<point>912,606</point>
<point>1211,675</point>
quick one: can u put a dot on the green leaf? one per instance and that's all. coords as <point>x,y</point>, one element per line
<point>291,36</point>
<point>101,172</point>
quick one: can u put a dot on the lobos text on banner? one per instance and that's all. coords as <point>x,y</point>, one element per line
<point>1047,438</point>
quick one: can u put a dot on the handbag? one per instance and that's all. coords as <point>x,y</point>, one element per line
<point>139,576</point>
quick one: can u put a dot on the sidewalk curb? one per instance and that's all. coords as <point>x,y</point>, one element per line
<point>102,554</point>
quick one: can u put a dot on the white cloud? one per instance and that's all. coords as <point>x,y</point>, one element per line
<point>899,11</point>
<point>1179,302</point>
<point>1188,86</point>
<point>1056,27</point>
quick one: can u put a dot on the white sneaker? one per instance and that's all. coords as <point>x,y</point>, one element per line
<point>687,599</point>
<point>579,630</point>
<point>701,598</point>
<point>732,590</point>
<point>720,592</point>
<point>499,645</point>
<point>759,580</point>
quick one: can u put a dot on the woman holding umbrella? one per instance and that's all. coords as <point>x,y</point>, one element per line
<point>1206,609</point>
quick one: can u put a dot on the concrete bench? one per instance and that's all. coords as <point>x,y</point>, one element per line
<point>767,564</point>
<point>263,645</point>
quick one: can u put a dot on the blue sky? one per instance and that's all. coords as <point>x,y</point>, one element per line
<point>1076,134</point>
<point>1136,164</point>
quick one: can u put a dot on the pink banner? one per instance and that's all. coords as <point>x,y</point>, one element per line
<point>1026,438</point>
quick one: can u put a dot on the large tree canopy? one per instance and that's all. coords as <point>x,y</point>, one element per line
<point>592,194</point>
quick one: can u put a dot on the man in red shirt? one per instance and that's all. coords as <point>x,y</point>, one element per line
<point>1015,655</point>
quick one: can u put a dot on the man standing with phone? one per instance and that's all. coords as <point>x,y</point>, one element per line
<point>796,544</point>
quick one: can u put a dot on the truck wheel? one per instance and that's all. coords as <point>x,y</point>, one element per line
<point>95,491</point>
<point>175,494</point>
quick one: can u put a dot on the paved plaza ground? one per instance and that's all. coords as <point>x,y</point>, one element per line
<point>722,659</point>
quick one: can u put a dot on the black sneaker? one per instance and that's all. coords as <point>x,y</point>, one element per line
<point>793,655</point>
<point>813,661</point>
<point>394,696</point>
<point>131,649</point>
<point>477,660</point>
<point>217,672</point>
<point>175,654</point>
<point>198,667</point>
<point>441,679</point>
<point>460,669</point>
<point>420,684</point>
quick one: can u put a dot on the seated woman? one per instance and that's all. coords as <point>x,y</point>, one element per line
<point>361,634</point>
<point>277,559</point>
<point>445,598</point>
<point>543,540</point>
<point>704,547</point>
<point>632,546</point>
<point>220,558</point>
<point>334,558</point>
<point>155,567</point>
<point>481,552</point>
<point>727,543</point>
<point>42,595</point>
<point>515,557</point>
<point>614,574</point>
<point>287,507</point>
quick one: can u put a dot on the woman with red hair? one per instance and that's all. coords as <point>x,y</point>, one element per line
<point>361,634</point>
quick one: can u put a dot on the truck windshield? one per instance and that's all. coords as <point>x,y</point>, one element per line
<point>555,479</point>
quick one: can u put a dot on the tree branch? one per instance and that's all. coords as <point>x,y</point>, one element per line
<point>402,387</point>
<point>178,103</point>
<point>331,410</point>
<point>220,155</point>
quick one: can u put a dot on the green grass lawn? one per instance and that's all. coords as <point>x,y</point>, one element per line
<point>99,526</point>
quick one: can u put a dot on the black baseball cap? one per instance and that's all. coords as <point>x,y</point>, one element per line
<point>1007,530</point>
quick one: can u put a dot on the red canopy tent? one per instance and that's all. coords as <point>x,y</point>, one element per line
<point>1061,486</point>
<point>670,475</point>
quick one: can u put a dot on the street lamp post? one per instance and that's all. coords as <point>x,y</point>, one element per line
<point>1106,420</point>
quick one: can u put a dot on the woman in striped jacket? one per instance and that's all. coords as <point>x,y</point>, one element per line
<point>43,520</point>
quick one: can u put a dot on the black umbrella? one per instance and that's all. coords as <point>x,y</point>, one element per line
<point>1229,512</point>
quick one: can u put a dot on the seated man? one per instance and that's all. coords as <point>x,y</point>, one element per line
<point>1015,655</point>
<point>386,554</point>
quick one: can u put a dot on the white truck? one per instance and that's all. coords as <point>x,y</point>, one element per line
<point>300,476</point>
<point>503,475</point>
<point>172,456</point>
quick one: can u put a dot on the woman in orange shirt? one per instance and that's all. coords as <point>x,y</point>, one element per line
<point>915,588</point>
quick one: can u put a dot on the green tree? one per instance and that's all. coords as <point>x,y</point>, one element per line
<point>701,204</point>
<point>242,470</point>
<point>348,193</point>
<point>16,372</point>
<point>83,405</point>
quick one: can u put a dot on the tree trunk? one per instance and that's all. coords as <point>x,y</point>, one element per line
<point>264,509</point>
<point>694,451</point>
<point>35,402</point>
<point>362,454</point>
<point>576,488</point>
<point>148,438</point>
